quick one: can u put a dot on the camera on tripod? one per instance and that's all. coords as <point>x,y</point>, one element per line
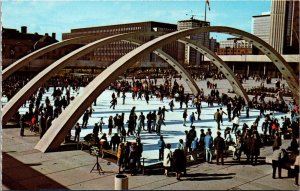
<point>95,151</point>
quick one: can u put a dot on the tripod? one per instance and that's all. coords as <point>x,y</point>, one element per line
<point>99,169</point>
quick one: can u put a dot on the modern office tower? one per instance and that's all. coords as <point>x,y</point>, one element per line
<point>186,54</point>
<point>106,55</point>
<point>261,26</point>
<point>284,27</point>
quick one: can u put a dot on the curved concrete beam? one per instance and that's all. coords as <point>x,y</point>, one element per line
<point>173,63</point>
<point>217,61</point>
<point>40,52</point>
<point>24,94</point>
<point>54,136</point>
<point>26,59</point>
<point>126,61</point>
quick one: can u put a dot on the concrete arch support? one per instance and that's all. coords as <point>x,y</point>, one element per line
<point>217,61</point>
<point>28,58</point>
<point>54,136</point>
<point>15,103</point>
<point>177,66</point>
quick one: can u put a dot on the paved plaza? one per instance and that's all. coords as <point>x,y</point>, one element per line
<point>24,167</point>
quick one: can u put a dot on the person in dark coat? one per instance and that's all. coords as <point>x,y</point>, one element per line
<point>219,144</point>
<point>255,147</point>
<point>133,157</point>
<point>246,144</point>
<point>85,119</point>
<point>179,162</point>
<point>96,130</point>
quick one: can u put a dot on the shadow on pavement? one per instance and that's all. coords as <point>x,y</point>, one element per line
<point>205,176</point>
<point>19,176</point>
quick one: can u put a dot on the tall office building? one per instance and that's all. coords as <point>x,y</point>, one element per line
<point>187,55</point>
<point>284,28</point>
<point>261,26</point>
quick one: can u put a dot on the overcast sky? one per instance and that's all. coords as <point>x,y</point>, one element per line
<point>61,16</point>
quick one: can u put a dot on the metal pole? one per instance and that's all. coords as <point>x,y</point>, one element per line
<point>205,11</point>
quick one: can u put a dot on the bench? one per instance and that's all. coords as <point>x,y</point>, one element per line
<point>108,152</point>
<point>89,144</point>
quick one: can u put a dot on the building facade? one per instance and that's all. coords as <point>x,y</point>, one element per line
<point>234,46</point>
<point>261,26</point>
<point>17,44</point>
<point>106,55</point>
<point>187,55</point>
<point>284,27</point>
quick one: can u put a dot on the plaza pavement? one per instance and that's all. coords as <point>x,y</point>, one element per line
<point>24,167</point>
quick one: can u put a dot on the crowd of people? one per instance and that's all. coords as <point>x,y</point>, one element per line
<point>247,140</point>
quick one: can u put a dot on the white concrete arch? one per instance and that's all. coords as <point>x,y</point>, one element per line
<point>15,103</point>
<point>54,136</point>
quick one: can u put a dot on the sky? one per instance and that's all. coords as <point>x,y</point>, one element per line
<point>47,16</point>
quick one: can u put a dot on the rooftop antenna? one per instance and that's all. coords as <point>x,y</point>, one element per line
<point>192,15</point>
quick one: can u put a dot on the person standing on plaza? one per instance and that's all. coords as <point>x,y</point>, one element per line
<point>113,103</point>
<point>208,142</point>
<point>101,123</point>
<point>149,121</point>
<point>192,134</point>
<point>217,118</point>
<point>96,130</point>
<point>236,123</point>
<point>171,104</point>
<point>167,159</point>
<point>264,126</point>
<point>115,141</point>
<point>110,125</point>
<point>147,97</point>
<point>277,156</point>
<point>160,121</point>
<point>255,147</point>
<point>142,121</point>
<point>163,112</point>
<point>184,116</point>
<point>194,147</point>
<point>140,149</point>
<point>21,123</point>
<point>123,97</point>
<point>77,132</point>
<point>85,119</point>
<point>161,146</point>
<point>192,118</point>
<point>221,113</point>
<point>229,110</point>
<point>180,145</point>
<point>186,100</point>
<point>179,162</point>
<point>42,125</point>
<point>153,120</point>
<point>219,144</point>
<point>121,156</point>
<point>198,106</point>
<point>133,157</point>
